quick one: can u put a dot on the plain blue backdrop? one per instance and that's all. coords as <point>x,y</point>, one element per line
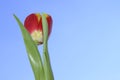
<point>84,43</point>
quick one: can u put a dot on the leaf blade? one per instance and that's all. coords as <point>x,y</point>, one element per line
<point>47,64</point>
<point>33,53</point>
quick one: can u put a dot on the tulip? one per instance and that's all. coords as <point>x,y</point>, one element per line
<point>33,24</point>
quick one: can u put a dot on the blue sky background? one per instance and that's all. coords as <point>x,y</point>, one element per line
<point>84,44</point>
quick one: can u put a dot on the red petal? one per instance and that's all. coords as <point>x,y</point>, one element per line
<point>50,21</point>
<point>40,24</point>
<point>31,23</point>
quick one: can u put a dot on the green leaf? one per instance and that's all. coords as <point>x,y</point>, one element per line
<point>33,53</point>
<point>47,65</point>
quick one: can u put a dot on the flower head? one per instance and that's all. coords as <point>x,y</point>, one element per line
<point>33,24</point>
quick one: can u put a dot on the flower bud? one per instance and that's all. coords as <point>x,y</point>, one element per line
<point>33,24</point>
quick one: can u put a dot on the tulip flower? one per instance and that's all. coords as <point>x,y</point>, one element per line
<point>33,24</point>
<point>37,28</point>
